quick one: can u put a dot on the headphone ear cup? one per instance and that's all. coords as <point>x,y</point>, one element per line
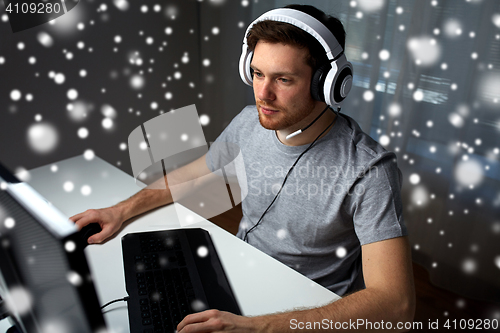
<point>244,65</point>
<point>318,81</point>
<point>343,84</point>
<point>337,82</point>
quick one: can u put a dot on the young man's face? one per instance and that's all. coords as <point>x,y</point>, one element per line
<point>281,85</point>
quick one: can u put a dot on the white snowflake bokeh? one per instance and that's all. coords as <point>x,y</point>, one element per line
<point>429,93</point>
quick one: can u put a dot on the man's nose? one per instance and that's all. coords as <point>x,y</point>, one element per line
<point>264,90</point>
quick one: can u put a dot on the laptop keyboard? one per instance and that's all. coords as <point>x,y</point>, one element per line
<point>170,274</point>
<point>163,283</point>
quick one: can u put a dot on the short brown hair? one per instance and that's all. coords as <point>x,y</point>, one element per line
<point>284,33</point>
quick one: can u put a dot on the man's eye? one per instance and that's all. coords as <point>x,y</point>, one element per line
<point>284,80</point>
<point>257,74</point>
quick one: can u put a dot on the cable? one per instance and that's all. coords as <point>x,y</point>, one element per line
<point>4,313</point>
<point>289,136</point>
<point>288,173</point>
<point>125,299</point>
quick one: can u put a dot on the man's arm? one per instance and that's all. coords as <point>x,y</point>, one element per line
<point>157,194</point>
<point>389,296</point>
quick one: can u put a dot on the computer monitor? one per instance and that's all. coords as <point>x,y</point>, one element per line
<point>45,280</point>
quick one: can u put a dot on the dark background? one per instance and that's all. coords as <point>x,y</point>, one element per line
<point>444,128</point>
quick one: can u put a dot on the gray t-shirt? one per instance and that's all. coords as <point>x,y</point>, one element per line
<point>343,193</point>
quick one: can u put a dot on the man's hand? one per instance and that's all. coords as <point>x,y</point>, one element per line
<point>389,296</point>
<point>216,321</point>
<point>110,219</point>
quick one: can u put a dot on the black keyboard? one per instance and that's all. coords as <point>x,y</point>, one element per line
<point>166,282</point>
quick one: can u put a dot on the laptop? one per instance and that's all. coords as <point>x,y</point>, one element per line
<point>45,279</point>
<point>170,274</point>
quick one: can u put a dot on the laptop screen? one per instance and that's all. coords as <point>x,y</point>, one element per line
<point>44,277</point>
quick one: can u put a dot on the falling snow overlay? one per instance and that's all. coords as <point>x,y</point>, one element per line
<point>426,86</point>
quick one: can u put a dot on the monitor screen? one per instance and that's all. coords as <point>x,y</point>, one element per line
<point>45,280</point>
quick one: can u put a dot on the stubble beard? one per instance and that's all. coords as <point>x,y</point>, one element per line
<point>287,119</point>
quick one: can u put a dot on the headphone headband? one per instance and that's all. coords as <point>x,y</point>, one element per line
<point>304,22</point>
<point>332,81</point>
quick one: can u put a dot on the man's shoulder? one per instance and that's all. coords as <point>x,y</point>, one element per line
<point>247,115</point>
<point>245,120</point>
<point>242,126</point>
<point>360,148</point>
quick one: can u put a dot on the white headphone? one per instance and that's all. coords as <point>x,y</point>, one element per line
<point>331,82</point>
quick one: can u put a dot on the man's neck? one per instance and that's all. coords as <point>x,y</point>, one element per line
<point>309,135</point>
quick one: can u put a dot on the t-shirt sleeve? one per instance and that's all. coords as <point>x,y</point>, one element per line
<point>375,202</point>
<point>227,145</point>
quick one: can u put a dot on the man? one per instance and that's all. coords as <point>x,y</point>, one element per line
<point>335,217</point>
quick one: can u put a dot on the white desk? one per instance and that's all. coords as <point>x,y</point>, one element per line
<point>261,284</point>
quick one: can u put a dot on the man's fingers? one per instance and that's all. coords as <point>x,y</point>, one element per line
<point>76,217</point>
<point>83,222</point>
<point>85,214</point>
<point>191,319</point>
<point>101,236</point>
<point>97,238</point>
<point>198,322</point>
<point>209,326</point>
<point>104,217</point>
